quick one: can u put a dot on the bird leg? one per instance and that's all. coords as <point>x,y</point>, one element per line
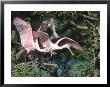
<point>70,51</point>
<point>68,47</point>
<point>38,48</point>
<point>52,53</point>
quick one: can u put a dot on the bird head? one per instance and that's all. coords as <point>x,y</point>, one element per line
<point>48,23</point>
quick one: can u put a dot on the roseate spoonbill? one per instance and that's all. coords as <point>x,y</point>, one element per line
<point>60,44</point>
<point>26,34</point>
<point>49,46</point>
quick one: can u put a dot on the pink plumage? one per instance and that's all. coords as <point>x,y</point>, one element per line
<point>70,42</point>
<point>25,31</point>
<point>43,38</point>
<point>29,38</point>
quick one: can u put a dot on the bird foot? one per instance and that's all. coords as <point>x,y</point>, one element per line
<point>53,53</point>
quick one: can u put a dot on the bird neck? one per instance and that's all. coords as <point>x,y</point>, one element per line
<point>38,47</point>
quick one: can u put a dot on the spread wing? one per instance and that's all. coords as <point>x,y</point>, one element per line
<point>43,38</point>
<point>25,31</point>
<point>70,42</point>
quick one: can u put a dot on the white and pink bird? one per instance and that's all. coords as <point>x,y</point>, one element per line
<point>31,40</point>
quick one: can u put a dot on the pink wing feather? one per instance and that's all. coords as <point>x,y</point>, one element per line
<point>25,31</point>
<point>43,38</point>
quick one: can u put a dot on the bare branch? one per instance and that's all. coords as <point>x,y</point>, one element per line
<point>22,64</point>
<point>53,29</point>
<point>47,64</point>
<point>77,26</point>
<point>90,23</point>
<point>88,17</point>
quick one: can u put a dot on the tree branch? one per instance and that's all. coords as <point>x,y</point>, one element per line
<point>77,26</point>
<point>53,29</point>
<point>88,17</point>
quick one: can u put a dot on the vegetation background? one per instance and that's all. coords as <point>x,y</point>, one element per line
<point>82,26</point>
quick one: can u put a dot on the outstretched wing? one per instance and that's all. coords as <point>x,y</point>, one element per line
<point>70,42</point>
<point>43,38</point>
<point>25,31</point>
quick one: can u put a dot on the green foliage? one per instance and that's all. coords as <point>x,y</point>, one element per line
<point>25,70</point>
<point>80,70</point>
<point>81,28</point>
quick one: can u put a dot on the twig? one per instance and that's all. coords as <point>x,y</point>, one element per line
<point>88,17</point>
<point>90,23</point>
<point>77,26</point>
<point>53,29</point>
<point>46,69</point>
<point>21,64</point>
<point>27,63</point>
<point>53,65</point>
<point>16,43</point>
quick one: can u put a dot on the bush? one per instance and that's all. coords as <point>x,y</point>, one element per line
<point>82,26</point>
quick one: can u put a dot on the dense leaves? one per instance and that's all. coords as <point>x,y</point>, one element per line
<point>82,26</point>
